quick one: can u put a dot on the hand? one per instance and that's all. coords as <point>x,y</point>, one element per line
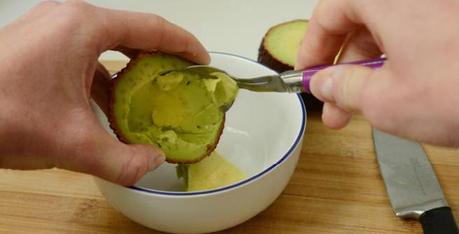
<point>416,93</point>
<point>49,57</point>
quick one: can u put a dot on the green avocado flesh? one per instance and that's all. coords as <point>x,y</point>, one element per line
<point>283,41</point>
<point>179,112</point>
<point>212,172</point>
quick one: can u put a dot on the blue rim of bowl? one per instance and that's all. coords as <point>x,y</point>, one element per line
<point>252,178</point>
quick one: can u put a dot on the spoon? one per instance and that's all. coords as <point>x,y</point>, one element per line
<point>289,81</point>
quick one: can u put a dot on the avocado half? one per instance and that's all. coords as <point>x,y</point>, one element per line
<point>181,113</point>
<point>280,45</point>
<point>279,48</point>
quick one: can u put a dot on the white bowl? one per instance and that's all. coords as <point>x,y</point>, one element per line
<point>262,136</point>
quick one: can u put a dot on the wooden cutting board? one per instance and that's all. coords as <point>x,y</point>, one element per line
<point>336,188</point>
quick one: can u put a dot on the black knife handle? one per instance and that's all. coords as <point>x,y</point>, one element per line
<point>438,221</point>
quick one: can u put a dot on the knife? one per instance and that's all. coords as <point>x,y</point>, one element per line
<point>411,183</point>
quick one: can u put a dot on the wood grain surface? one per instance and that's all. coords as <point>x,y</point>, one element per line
<point>336,188</point>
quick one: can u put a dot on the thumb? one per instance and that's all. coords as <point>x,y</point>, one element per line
<point>343,85</point>
<point>100,154</point>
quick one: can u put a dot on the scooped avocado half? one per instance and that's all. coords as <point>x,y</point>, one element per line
<point>181,113</point>
<point>212,172</point>
<point>279,48</point>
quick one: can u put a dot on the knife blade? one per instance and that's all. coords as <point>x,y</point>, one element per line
<point>411,184</point>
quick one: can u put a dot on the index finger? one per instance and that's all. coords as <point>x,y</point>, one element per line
<point>149,32</point>
<point>329,26</point>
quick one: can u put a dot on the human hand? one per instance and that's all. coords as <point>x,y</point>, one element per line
<point>49,57</point>
<point>416,93</point>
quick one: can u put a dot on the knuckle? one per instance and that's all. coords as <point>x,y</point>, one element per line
<point>76,3</point>
<point>160,23</point>
<point>75,12</point>
<point>78,21</point>
<point>46,4</point>
<point>344,85</point>
<point>349,88</point>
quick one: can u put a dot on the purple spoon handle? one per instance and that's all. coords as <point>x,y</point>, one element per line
<point>308,73</point>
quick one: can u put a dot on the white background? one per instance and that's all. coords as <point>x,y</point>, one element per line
<point>234,26</point>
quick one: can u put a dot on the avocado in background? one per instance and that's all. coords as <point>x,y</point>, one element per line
<point>279,48</point>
